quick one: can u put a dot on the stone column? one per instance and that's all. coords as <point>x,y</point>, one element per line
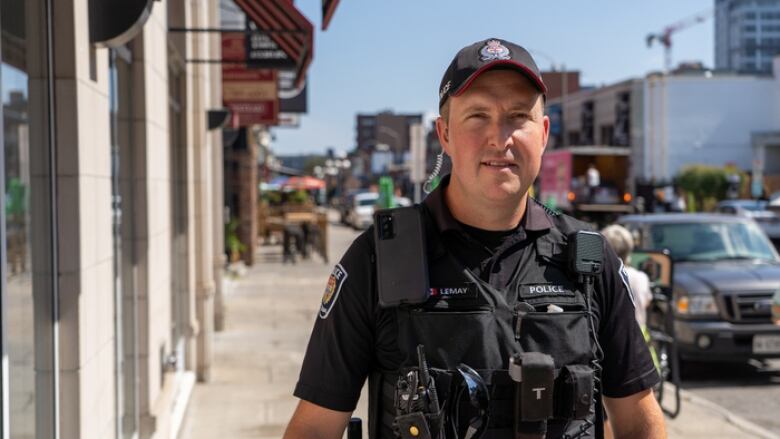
<point>246,186</point>
<point>204,254</point>
<point>217,179</point>
<point>84,250</point>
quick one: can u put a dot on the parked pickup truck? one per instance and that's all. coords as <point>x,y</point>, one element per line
<point>726,273</point>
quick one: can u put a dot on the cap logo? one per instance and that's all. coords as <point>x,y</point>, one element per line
<point>494,50</point>
<point>445,89</point>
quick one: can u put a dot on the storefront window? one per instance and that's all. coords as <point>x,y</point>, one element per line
<point>179,220</point>
<point>28,289</point>
<point>123,232</point>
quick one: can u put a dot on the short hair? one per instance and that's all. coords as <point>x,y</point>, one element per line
<point>444,111</point>
<point>620,239</point>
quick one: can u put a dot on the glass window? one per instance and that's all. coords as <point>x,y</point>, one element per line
<point>712,241</point>
<point>367,121</point>
<point>123,231</point>
<point>179,247</point>
<point>28,292</point>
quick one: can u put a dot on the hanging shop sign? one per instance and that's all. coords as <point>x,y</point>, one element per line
<point>233,48</point>
<point>284,24</point>
<point>263,52</point>
<point>292,99</point>
<point>251,95</point>
<point>289,120</point>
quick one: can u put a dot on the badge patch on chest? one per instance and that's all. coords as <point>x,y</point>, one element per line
<point>529,291</point>
<point>335,282</point>
<point>462,291</point>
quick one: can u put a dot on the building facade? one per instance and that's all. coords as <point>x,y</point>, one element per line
<point>747,35</point>
<point>605,116</point>
<point>383,142</point>
<point>690,116</point>
<point>112,227</point>
<point>708,119</point>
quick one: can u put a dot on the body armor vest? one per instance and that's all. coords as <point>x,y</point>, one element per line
<point>483,328</point>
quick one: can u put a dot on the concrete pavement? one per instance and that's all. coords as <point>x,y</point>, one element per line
<point>270,311</point>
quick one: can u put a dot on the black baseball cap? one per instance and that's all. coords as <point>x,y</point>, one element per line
<point>471,61</point>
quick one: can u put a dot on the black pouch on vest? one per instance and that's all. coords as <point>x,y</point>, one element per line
<point>574,392</point>
<point>413,426</point>
<point>534,400</point>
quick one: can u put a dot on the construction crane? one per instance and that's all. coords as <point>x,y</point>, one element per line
<point>665,36</point>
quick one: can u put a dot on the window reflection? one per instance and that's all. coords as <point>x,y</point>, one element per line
<point>19,315</point>
<point>28,314</point>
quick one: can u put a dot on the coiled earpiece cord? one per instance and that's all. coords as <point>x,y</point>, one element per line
<point>436,168</point>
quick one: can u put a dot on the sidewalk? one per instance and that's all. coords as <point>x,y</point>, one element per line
<point>269,315</point>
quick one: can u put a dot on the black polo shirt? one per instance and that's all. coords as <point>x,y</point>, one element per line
<point>353,336</point>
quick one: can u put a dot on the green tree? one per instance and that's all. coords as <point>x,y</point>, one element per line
<point>707,184</point>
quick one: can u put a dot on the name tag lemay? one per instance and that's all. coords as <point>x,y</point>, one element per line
<point>463,291</point>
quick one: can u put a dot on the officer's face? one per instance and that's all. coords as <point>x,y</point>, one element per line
<point>495,136</point>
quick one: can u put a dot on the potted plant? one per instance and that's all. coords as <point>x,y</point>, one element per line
<point>232,241</point>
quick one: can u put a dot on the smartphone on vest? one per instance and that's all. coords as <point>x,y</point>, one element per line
<point>401,259</point>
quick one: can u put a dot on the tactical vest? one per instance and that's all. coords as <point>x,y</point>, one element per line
<point>483,330</point>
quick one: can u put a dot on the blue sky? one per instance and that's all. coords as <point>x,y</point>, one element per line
<point>13,80</point>
<point>391,54</point>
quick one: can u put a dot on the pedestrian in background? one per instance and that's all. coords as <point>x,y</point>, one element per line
<point>622,242</point>
<point>679,204</point>
<point>593,178</point>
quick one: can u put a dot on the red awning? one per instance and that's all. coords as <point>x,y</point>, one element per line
<point>304,182</point>
<point>287,27</point>
<point>328,8</point>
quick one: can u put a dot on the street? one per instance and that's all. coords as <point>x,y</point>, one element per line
<point>747,390</point>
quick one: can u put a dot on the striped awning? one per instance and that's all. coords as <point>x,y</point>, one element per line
<point>287,27</point>
<point>328,8</point>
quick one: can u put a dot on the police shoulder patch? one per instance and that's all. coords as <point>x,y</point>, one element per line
<point>335,282</point>
<point>624,278</point>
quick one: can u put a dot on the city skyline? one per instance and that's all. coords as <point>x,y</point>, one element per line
<point>363,64</point>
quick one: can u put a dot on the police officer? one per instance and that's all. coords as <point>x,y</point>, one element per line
<point>498,270</point>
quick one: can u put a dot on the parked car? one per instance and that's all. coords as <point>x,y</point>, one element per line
<point>756,209</point>
<point>345,203</point>
<point>774,199</point>
<point>402,201</point>
<point>361,214</point>
<point>725,275</point>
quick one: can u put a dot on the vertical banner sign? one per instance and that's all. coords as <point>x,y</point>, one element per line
<point>250,95</point>
<point>555,177</point>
